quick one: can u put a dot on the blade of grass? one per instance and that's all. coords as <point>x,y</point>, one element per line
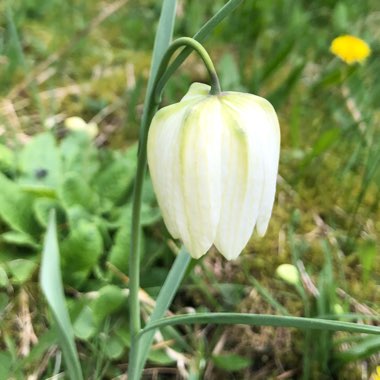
<point>52,288</point>
<point>164,299</point>
<point>19,56</point>
<point>277,60</point>
<point>267,296</point>
<point>163,38</point>
<point>262,320</point>
<point>369,346</point>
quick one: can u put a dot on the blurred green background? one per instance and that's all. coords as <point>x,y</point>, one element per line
<point>91,59</point>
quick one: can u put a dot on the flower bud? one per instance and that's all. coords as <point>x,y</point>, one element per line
<point>75,123</point>
<point>288,273</point>
<point>213,160</point>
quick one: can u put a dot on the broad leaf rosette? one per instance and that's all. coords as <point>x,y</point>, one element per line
<point>213,160</point>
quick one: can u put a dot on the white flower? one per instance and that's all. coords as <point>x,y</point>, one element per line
<point>213,160</point>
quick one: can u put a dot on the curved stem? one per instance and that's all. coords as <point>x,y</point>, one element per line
<point>163,75</point>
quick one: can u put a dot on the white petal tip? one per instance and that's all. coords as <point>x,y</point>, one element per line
<point>262,227</point>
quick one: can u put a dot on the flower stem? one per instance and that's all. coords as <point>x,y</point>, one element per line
<point>134,256</point>
<point>163,75</point>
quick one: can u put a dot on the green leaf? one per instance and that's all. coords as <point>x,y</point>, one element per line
<point>327,138</point>
<point>231,362</point>
<point>278,59</point>
<point>262,320</point>
<point>85,326</point>
<point>281,93</point>
<point>75,191</point>
<point>160,357</point>
<point>369,346</point>
<point>76,215</point>
<point>21,270</point>
<point>52,288</point>
<point>149,214</point>
<point>81,251</point>
<point>4,301</point>
<point>367,253</point>
<point>40,162</point>
<point>164,299</point>
<point>4,281</point>
<point>324,142</point>
<point>16,207</point>
<point>79,155</point>
<point>123,332</point>
<point>42,208</point>
<point>113,346</point>
<point>5,365</point>
<point>19,238</point>
<point>340,17</point>
<point>229,73</point>
<point>7,159</point>
<point>162,40</point>
<point>109,300</point>
<point>119,253</point>
<point>116,177</point>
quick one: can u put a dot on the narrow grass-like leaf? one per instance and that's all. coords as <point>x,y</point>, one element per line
<point>369,346</point>
<point>262,320</point>
<point>276,62</point>
<point>17,58</point>
<point>51,284</point>
<point>265,293</point>
<point>163,38</point>
<point>164,299</point>
<point>278,96</point>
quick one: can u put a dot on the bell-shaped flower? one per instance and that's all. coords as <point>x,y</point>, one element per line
<point>213,160</point>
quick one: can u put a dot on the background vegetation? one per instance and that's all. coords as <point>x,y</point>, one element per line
<point>91,59</point>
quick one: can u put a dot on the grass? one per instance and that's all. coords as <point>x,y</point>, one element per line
<point>93,63</point>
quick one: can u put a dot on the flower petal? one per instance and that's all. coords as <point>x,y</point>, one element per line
<point>200,175</point>
<point>197,91</point>
<point>162,152</point>
<point>250,157</point>
<point>270,132</point>
<point>242,179</point>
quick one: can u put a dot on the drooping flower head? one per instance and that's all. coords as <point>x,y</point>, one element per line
<point>350,49</point>
<point>213,160</point>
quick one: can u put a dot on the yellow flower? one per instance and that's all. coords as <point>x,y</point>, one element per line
<point>376,375</point>
<point>350,49</point>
